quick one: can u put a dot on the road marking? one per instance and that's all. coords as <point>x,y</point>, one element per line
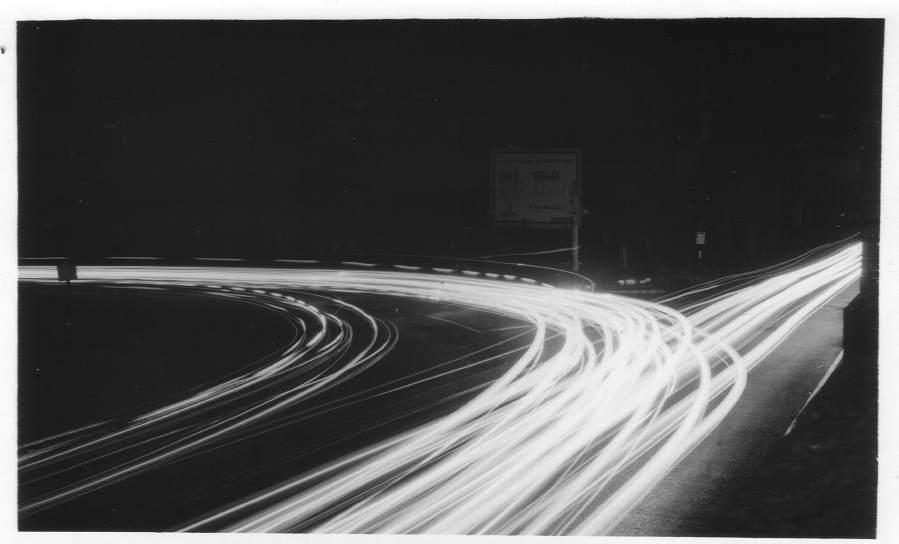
<point>833,366</point>
<point>452,322</point>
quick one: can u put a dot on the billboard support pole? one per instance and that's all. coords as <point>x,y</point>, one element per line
<point>575,247</point>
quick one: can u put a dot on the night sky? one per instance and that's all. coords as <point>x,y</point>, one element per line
<point>280,139</point>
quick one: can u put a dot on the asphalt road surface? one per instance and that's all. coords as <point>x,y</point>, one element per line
<point>118,362</point>
<point>694,499</point>
<point>411,400</point>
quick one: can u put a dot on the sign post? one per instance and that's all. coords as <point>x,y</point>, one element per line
<point>538,188</point>
<point>575,248</point>
<point>66,271</point>
<point>700,242</point>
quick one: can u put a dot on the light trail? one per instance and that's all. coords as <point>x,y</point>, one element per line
<point>608,395</point>
<point>321,355</point>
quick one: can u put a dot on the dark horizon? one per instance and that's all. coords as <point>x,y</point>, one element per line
<point>284,138</point>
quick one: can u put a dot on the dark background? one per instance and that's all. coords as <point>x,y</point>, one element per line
<point>296,139</point>
<point>285,139</point>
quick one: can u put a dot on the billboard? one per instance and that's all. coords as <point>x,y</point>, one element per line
<point>539,187</point>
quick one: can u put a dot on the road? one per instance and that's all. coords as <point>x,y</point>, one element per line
<point>564,421</point>
<point>696,497</point>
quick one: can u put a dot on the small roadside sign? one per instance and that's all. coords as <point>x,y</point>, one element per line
<point>66,271</point>
<point>700,238</point>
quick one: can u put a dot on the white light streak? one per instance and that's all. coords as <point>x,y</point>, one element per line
<point>607,397</point>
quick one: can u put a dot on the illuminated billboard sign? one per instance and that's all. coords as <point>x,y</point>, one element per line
<point>540,187</point>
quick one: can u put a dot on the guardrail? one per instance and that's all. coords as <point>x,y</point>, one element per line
<point>67,266</point>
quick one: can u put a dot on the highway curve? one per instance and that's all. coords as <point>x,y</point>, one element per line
<point>568,414</point>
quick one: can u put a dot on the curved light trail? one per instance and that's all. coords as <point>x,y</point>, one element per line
<point>326,350</point>
<point>608,395</point>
